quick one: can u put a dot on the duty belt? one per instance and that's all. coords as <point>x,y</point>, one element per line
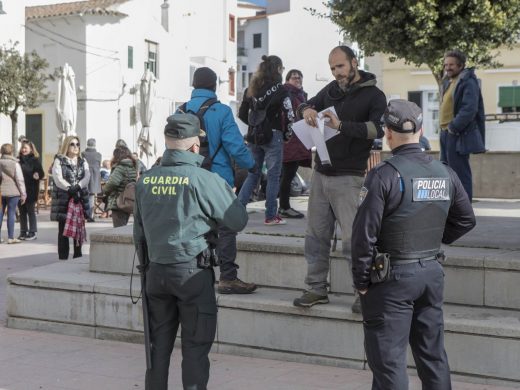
<point>411,261</point>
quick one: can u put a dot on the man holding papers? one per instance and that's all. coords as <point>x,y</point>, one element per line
<point>336,185</point>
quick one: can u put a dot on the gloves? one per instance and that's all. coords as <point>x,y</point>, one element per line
<point>72,190</point>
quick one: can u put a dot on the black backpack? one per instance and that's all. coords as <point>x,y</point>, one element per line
<point>204,145</point>
<point>260,131</point>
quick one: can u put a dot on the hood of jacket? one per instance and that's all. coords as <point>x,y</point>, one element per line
<point>367,80</point>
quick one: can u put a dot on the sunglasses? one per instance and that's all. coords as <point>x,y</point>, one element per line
<point>74,144</point>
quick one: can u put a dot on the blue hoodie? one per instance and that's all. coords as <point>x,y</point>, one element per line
<point>222,128</point>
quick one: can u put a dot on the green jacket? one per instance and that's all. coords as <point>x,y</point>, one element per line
<point>177,203</point>
<point>121,175</point>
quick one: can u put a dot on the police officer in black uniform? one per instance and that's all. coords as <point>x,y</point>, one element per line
<point>178,204</point>
<point>409,205</point>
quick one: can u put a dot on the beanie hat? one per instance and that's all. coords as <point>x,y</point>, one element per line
<point>205,78</point>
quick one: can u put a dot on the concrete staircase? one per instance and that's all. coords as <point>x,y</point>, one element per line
<point>91,298</point>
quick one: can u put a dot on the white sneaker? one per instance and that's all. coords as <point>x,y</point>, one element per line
<point>13,241</point>
<point>276,220</point>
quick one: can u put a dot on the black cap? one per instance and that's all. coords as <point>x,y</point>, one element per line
<point>205,78</point>
<point>403,116</point>
<point>182,126</point>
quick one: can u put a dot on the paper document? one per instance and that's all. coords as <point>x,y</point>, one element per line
<point>311,136</point>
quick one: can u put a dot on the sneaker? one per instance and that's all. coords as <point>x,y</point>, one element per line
<point>31,236</point>
<point>309,299</point>
<point>22,236</point>
<point>276,220</point>
<point>356,306</point>
<point>13,241</point>
<point>290,213</point>
<point>235,287</point>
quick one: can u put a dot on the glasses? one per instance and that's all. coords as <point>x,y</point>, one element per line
<point>74,144</point>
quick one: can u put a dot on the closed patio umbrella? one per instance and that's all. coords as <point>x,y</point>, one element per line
<point>145,141</point>
<point>66,103</point>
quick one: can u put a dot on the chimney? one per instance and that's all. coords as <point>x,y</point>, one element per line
<point>164,15</point>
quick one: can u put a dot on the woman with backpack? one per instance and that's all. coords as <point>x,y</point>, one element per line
<point>32,174</point>
<point>71,176</point>
<point>124,171</point>
<point>267,110</point>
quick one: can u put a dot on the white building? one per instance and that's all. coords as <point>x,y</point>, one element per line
<point>109,43</point>
<point>12,17</point>
<point>287,28</point>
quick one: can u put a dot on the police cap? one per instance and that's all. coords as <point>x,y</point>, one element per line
<point>403,116</point>
<point>183,126</point>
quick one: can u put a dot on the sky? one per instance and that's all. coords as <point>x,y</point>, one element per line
<point>258,2</point>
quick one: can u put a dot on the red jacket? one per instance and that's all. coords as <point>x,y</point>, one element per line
<point>294,150</point>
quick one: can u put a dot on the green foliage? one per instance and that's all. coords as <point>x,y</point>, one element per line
<point>420,32</point>
<point>22,82</point>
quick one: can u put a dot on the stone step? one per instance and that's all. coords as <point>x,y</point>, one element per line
<point>65,297</point>
<point>474,276</point>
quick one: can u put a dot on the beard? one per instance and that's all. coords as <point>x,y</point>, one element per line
<point>343,83</point>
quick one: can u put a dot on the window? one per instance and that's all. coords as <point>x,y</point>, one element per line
<point>231,78</point>
<point>257,41</point>
<point>152,53</point>
<point>509,98</point>
<point>232,28</point>
<point>130,57</point>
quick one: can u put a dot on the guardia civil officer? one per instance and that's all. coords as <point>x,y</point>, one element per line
<point>409,205</point>
<point>177,204</point>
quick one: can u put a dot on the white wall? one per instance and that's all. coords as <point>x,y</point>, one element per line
<point>304,42</point>
<point>11,30</point>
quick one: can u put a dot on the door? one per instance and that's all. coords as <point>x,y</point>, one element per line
<point>33,131</point>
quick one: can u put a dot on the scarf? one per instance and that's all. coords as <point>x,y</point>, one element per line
<point>75,223</point>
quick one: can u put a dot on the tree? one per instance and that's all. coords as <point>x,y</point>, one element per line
<point>22,83</point>
<point>420,32</point>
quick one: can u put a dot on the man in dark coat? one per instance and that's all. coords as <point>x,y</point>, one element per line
<point>461,117</point>
<point>93,158</point>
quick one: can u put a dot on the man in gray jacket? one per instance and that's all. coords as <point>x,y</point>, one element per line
<point>93,158</point>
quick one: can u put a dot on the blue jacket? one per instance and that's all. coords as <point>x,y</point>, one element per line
<point>222,128</point>
<point>468,113</point>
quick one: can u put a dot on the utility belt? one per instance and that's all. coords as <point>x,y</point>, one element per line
<point>381,265</point>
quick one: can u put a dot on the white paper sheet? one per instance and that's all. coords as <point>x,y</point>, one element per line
<point>311,136</point>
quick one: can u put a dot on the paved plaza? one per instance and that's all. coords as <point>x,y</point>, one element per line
<point>36,360</point>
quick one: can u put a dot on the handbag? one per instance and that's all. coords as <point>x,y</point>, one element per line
<point>126,199</point>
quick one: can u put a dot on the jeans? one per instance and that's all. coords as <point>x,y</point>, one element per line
<point>458,162</point>
<point>9,202</point>
<point>27,212</point>
<point>272,153</point>
<point>332,198</point>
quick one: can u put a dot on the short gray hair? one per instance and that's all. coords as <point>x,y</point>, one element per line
<point>91,143</point>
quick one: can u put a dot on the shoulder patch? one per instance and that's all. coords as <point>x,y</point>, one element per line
<point>362,194</point>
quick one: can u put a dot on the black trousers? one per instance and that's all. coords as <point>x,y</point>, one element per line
<point>27,211</point>
<point>184,296</point>
<point>63,244</point>
<point>227,253</point>
<point>406,309</point>
<point>289,170</point>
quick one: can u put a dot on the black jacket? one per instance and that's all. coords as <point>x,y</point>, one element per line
<point>279,111</point>
<point>381,196</point>
<point>360,109</point>
<point>31,165</point>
